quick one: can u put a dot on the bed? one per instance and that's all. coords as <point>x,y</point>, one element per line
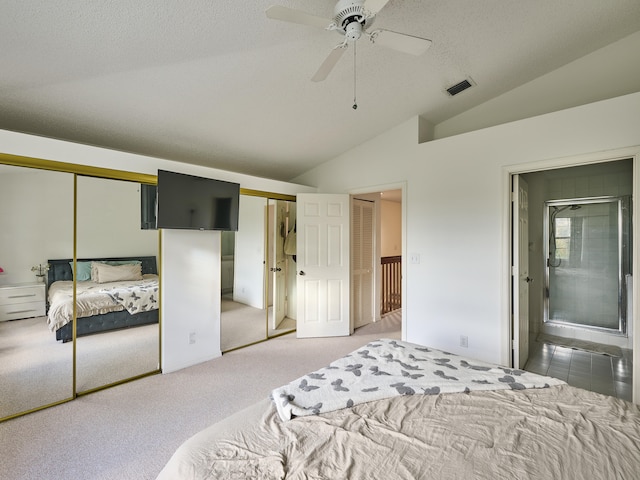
<point>396,410</point>
<point>130,300</point>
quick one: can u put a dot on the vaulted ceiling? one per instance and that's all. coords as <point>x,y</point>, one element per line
<point>217,83</point>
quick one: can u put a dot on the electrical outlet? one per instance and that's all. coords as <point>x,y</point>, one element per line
<point>192,338</point>
<point>464,341</point>
<point>415,258</point>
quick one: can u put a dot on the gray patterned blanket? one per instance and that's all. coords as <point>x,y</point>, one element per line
<point>135,298</point>
<point>387,368</point>
<point>94,298</point>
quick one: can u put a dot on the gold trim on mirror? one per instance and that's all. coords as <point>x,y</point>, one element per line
<point>261,193</point>
<point>86,170</point>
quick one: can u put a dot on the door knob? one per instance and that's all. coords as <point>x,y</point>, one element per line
<point>528,280</point>
<point>301,273</point>
<point>278,269</point>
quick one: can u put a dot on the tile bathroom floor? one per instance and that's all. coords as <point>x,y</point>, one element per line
<point>591,371</point>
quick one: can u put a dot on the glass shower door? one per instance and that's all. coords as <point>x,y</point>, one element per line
<point>587,260</point>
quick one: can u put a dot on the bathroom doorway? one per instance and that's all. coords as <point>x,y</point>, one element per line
<point>579,276</point>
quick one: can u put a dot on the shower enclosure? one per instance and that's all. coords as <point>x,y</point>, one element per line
<point>587,262</point>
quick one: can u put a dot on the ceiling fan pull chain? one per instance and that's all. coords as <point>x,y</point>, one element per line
<point>355,103</point>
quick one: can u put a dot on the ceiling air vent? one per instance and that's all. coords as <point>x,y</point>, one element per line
<point>459,87</point>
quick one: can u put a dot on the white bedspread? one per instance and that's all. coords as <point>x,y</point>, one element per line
<point>97,298</point>
<point>560,432</point>
<point>387,368</point>
<point>503,431</point>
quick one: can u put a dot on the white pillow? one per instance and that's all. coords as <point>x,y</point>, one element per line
<point>94,270</point>
<point>115,273</point>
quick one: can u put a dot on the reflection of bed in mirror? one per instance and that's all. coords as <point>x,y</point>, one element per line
<point>112,293</point>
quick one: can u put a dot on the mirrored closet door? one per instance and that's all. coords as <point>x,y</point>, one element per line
<point>117,323</point>
<point>36,214</point>
<point>257,276</point>
<point>242,309</point>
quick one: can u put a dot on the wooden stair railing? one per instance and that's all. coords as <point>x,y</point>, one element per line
<point>391,284</point>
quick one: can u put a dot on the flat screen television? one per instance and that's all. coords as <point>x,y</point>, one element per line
<point>196,203</point>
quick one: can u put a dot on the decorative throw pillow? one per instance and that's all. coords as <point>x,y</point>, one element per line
<point>116,273</point>
<point>94,273</point>
<point>84,271</point>
<point>123,262</point>
<point>94,270</point>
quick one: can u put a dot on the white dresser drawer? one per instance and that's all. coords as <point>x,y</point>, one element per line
<point>12,294</point>
<point>22,310</point>
<point>22,301</point>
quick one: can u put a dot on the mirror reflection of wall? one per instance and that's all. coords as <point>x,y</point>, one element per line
<point>243,312</point>
<point>124,343</point>
<point>228,244</point>
<point>36,214</point>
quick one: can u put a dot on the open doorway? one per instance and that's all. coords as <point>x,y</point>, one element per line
<point>572,282</point>
<point>376,257</point>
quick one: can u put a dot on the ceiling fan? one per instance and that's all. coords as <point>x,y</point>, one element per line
<point>353,19</point>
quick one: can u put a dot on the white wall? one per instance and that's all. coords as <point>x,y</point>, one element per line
<point>36,208</point>
<point>108,221</point>
<point>179,318</point>
<point>456,206</point>
<point>391,228</point>
<point>248,287</point>
<point>195,273</point>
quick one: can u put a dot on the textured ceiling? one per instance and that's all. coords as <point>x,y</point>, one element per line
<point>216,83</point>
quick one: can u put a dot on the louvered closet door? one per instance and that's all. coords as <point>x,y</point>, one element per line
<point>362,261</point>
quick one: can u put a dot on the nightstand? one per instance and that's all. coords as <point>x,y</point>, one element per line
<point>22,300</point>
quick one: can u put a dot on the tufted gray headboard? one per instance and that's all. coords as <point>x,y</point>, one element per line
<point>60,269</point>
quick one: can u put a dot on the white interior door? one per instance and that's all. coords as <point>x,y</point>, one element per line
<point>521,277</point>
<point>323,265</point>
<point>362,261</point>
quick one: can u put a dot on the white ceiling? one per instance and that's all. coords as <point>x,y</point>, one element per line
<point>216,83</point>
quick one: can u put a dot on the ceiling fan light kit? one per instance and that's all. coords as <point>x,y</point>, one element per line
<point>353,31</point>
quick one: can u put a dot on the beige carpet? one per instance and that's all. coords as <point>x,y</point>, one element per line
<point>109,357</point>
<point>128,432</point>
<point>242,325</point>
<point>586,346</point>
<point>36,370</point>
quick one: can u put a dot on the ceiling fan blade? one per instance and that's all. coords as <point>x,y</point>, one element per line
<point>329,62</point>
<point>278,12</point>
<point>400,41</point>
<point>374,6</point>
